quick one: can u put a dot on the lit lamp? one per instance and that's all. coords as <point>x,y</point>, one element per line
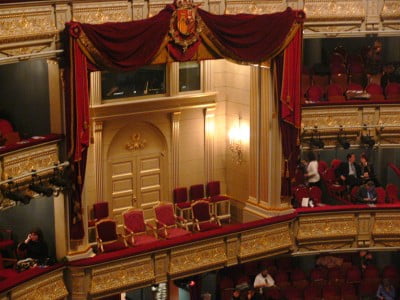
<point>237,136</point>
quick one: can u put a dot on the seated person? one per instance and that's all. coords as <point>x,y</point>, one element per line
<point>34,247</point>
<point>263,280</point>
<point>349,172</point>
<point>367,194</point>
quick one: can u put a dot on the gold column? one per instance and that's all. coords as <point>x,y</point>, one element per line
<point>98,164</point>
<point>173,83</point>
<point>206,75</point>
<point>95,88</point>
<point>175,119</point>
<point>60,226</point>
<point>209,125</point>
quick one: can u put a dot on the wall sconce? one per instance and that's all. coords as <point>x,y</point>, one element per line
<point>238,135</point>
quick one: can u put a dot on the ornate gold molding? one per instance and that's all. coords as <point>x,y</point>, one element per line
<point>261,242</point>
<point>124,274</point>
<point>135,143</point>
<point>325,246</point>
<point>391,10</point>
<point>190,259</point>
<point>255,7</point>
<point>334,10</point>
<point>97,13</point>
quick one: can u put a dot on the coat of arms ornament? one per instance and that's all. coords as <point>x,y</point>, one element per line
<point>184,27</point>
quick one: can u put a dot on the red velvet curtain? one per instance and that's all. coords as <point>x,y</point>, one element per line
<point>126,46</point>
<point>288,70</point>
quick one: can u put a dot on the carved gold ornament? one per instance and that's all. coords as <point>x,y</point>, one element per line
<point>136,143</point>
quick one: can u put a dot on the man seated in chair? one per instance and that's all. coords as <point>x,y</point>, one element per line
<point>263,280</point>
<point>367,193</point>
<point>349,172</point>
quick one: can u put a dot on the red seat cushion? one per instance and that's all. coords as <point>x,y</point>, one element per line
<point>6,243</point>
<point>144,239</point>
<point>176,232</point>
<point>208,226</point>
<point>219,198</point>
<point>114,246</point>
<point>183,204</point>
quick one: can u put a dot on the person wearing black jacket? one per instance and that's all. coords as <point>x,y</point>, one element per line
<point>349,172</point>
<point>34,246</point>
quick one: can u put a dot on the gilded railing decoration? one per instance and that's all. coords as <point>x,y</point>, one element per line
<point>123,274</point>
<point>255,7</point>
<point>261,242</point>
<point>97,13</point>
<point>204,255</point>
<point>334,10</point>
<point>391,10</point>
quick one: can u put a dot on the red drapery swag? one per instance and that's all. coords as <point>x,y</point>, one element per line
<point>125,46</point>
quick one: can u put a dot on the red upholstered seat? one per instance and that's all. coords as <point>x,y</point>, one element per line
<point>335,276</point>
<point>391,272</point>
<point>331,292</point>
<point>182,205</point>
<point>203,219</point>
<point>375,91</point>
<point>312,293</point>
<point>392,193</point>
<point>137,229</point>
<point>220,203</point>
<point>293,293</point>
<point>338,68</point>
<point>315,194</point>
<point>334,93</point>
<point>349,292</point>
<point>315,93</point>
<point>300,193</point>
<point>317,277</point>
<point>392,91</point>
<point>353,275</point>
<point>196,192</point>
<point>335,163</point>
<point>169,225</point>
<point>381,194</point>
<point>107,238</point>
<point>322,167</point>
<point>100,211</point>
<point>340,79</point>
<point>371,272</point>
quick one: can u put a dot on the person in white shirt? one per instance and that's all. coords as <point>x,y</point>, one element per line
<point>263,280</point>
<point>312,174</point>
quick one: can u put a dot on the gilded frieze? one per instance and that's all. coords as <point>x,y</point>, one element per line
<point>101,12</point>
<point>117,276</point>
<point>323,227</point>
<point>26,161</point>
<point>254,7</point>
<point>26,23</point>
<point>391,10</point>
<point>264,241</point>
<point>189,259</point>
<point>48,288</point>
<point>386,225</point>
<point>324,117</point>
<point>334,10</point>
<point>325,246</point>
<point>23,50</point>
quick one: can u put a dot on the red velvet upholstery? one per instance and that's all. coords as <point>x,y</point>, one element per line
<point>349,292</point>
<point>391,272</point>
<point>180,195</point>
<point>340,79</point>
<point>298,274</point>
<point>354,87</point>
<point>220,203</point>
<point>168,222</point>
<point>335,276</point>
<point>300,193</point>
<point>322,167</point>
<point>196,192</point>
<point>315,194</point>
<point>334,92</point>
<point>100,211</point>
<point>312,293</point>
<point>330,292</point>
<point>392,193</point>
<point>381,194</point>
<point>335,163</point>
<point>392,90</point>
<point>107,237</point>
<point>317,277</point>
<point>353,275</point>
<point>135,226</point>
<point>371,272</point>
<point>354,193</point>
<point>315,93</point>
<point>293,293</point>
<point>375,90</point>
<point>338,69</point>
<point>203,220</point>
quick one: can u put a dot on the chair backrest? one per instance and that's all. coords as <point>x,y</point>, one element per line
<point>354,192</point>
<point>329,176</point>
<point>392,192</point>
<point>322,166</point>
<point>334,90</point>
<point>374,89</point>
<point>164,213</point>
<point>134,220</point>
<point>300,193</point>
<point>392,89</point>
<point>315,194</point>
<point>315,93</point>
<point>213,189</point>
<point>381,194</point>
<point>107,230</point>
<point>335,163</point>
<point>180,195</point>
<point>100,210</point>
<point>196,192</point>
<point>201,210</point>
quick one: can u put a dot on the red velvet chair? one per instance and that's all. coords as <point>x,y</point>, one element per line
<point>312,292</point>
<point>331,292</point>
<point>100,211</point>
<point>169,225</point>
<point>7,272</point>
<point>335,276</point>
<point>315,194</point>
<point>349,292</point>
<point>299,278</point>
<point>353,275</point>
<point>391,272</point>
<point>392,91</point>
<point>315,93</point>
<point>196,192</point>
<point>182,205</point>
<point>221,204</point>
<point>335,93</point>
<point>335,163</point>
<point>322,167</point>
<point>354,193</point>
<point>317,277</point>
<point>293,293</point>
<point>108,239</point>
<point>340,79</point>
<point>137,230</point>
<point>202,219</point>
<point>6,239</point>
<point>300,193</point>
<point>375,91</point>
<point>392,193</point>
<point>381,195</point>
<point>282,279</point>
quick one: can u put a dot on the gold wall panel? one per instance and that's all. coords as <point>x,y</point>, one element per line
<point>24,161</point>
<point>255,7</point>
<point>386,225</point>
<point>101,12</point>
<point>318,10</point>
<point>122,275</point>
<point>326,227</point>
<point>258,242</point>
<point>391,10</point>
<point>204,255</point>
<point>26,23</point>
<point>49,286</point>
